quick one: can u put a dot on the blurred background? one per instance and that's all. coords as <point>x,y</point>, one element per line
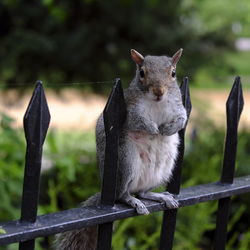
<point>77,48</point>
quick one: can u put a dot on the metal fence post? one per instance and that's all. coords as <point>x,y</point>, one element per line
<point>169,216</point>
<point>234,108</point>
<point>114,116</point>
<point>36,123</point>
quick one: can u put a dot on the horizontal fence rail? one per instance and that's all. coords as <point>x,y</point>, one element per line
<point>36,123</point>
<point>81,217</point>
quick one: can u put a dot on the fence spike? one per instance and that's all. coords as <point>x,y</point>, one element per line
<point>36,123</point>
<point>235,103</point>
<point>186,100</point>
<point>169,216</point>
<point>115,109</point>
<point>114,116</point>
<point>234,107</point>
<point>174,185</point>
<point>37,117</point>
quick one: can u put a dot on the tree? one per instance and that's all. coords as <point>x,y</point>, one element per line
<point>89,40</point>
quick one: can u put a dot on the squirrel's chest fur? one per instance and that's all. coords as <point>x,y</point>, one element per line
<point>153,156</point>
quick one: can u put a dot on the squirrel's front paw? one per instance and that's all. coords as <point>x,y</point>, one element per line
<point>137,204</point>
<point>153,129</point>
<point>172,127</point>
<point>167,129</point>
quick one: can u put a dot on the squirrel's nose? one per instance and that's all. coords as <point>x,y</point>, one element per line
<point>158,92</point>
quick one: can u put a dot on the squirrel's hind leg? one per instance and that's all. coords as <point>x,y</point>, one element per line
<point>166,197</point>
<point>135,203</point>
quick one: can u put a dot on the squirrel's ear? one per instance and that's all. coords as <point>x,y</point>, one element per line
<point>137,57</point>
<point>176,57</point>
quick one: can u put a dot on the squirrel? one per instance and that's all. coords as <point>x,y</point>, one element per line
<point>148,143</point>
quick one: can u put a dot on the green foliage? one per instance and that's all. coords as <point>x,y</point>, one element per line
<point>69,176</point>
<point>70,41</point>
<point>207,16</point>
<point>2,231</point>
<point>217,75</point>
<point>89,40</point>
<point>11,165</point>
<point>74,176</point>
<point>11,172</point>
<point>72,158</point>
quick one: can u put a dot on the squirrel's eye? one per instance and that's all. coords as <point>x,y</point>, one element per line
<point>173,73</point>
<point>142,73</point>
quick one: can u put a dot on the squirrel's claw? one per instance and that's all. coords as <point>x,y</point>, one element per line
<point>167,198</point>
<point>135,203</point>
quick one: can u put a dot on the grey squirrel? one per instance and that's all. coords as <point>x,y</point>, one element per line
<point>148,142</point>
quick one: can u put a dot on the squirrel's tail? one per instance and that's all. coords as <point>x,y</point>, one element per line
<point>80,239</point>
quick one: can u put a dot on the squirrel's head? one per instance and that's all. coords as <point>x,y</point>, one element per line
<point>155,74</point>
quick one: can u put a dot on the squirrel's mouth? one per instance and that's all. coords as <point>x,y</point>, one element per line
<point>158,98</point>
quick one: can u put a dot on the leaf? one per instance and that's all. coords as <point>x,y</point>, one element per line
<point>2,231</point>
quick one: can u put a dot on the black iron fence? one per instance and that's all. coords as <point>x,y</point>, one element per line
<point>36,123</point>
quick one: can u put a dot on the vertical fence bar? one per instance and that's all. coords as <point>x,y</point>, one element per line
<point>114,115</point>
<point>169,216</point>
<point>234,107</point>
<point>36,123</point>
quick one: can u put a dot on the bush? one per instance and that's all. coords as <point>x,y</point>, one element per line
<point>71,177</point>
